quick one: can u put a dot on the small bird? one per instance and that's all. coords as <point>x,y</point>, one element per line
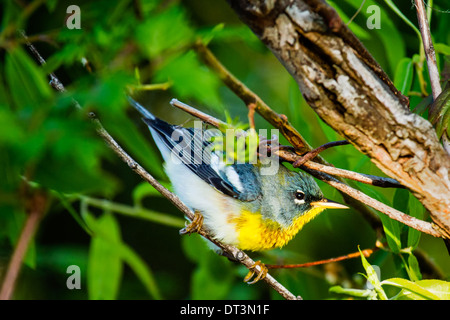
<point>236,203</point>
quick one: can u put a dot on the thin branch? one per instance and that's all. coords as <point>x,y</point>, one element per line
<point>54,82</point>
<point>198,114</point>
<point>429,49</point>
<point>376,181</point>
<point>392,213</point>
<point>366,252</point>
<point>356,13</point>
<point>313,153</point>
<point>36,205</point>
<point>135,211</point>
<point>229,251</point>
<point>347,174</point>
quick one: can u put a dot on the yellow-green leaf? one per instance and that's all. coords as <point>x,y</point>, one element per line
<point>417,290</point>
<point>105,264</point>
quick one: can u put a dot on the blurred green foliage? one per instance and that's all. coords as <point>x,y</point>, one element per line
<point>120,232</point>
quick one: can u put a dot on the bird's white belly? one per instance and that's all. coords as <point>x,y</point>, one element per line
<point>217,209</point>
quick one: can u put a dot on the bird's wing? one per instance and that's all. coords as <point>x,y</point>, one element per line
<point>193,148</point>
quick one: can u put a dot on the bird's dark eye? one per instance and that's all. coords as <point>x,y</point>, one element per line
<point>299,195</point>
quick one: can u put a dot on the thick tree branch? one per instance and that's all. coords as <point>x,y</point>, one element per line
<point>348,90</point>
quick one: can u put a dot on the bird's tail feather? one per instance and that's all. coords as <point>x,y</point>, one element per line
<point>144,112</point>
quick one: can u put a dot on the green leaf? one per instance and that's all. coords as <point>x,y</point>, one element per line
<point>391,4</point>
<point>27,83</point>
<point>372,277</point>
<point>404,75</point>
<point>68,55</point>
<point>413,268</point>
<point>413,290</point>
<point>358,293</point>
<point>392,231</point>
<point>423,105</point>
<point>109,253</point>
<point>360,32</point>
<point>191,79</point>
<point>140,268</point>
<point>439,112</point>
<point>391,38</point>
<point>213,276</point>
<point>210,34</point>
<point>442,48</point>
<point>391,227</point>
<point>105,264</point>
<point>127,134</point>
<point>51,5</point>
<point>12,131</point>
<point>415,210</point>
<point>167,30</point>
<point>144,189</point>
<point>401,199</point>
<point>439,288</point>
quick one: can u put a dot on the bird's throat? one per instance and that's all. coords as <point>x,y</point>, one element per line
<point>256,233</point>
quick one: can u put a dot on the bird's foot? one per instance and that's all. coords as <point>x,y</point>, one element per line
<point>257,268</point>
<point>194,226</point>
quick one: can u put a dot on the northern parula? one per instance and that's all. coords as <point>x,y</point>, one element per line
<point>237,204</point>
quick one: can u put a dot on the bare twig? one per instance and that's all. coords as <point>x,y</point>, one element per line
<point>377,181</point>
<point>366,252</point>
<point>392,213</point>
<point>429,49</point>
<point>229,251</point>
<point>54,82</point>
<point>251,115</point>
<point>313,153</point>
<point>36,205</point>
<point>356,13</point>
<point>196,113</point>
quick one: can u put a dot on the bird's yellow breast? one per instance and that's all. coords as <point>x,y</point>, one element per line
<point>256,233</point>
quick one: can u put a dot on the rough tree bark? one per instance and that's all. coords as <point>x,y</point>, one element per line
<point>347,88</point>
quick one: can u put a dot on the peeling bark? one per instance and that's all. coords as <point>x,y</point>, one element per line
<point>351,93</point>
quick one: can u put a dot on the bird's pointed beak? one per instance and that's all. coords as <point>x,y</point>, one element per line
<point>325,203</point>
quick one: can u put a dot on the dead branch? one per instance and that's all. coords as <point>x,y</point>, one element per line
<point>366,252</point>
